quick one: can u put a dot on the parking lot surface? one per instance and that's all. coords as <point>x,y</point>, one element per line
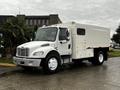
<point>72,77</point>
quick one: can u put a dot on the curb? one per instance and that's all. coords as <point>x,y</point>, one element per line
<point>7,65</point>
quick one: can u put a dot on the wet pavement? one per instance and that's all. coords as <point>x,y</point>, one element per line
<point>7,70</point>
<point>82,77</point>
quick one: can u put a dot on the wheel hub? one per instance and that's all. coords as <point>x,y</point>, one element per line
<point>52,63</point>
<point>101,57</point>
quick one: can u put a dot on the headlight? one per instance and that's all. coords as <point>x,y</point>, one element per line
<point>39,53</point>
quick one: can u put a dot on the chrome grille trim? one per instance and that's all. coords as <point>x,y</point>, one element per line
<point>23,51</point>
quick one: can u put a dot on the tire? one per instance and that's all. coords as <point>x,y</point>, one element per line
<point>51,64</point>
<point>98,59</point>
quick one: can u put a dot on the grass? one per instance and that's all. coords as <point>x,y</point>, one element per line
<point>6,60</point>
<point>114,53</point>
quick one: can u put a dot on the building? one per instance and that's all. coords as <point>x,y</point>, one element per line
<point>34,20</point>
<point>42,20</point>
<point>4,18</point>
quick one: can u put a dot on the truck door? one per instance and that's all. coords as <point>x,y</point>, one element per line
<point>64,42</point>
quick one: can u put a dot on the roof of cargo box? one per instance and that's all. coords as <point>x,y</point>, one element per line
<point>79,25</point>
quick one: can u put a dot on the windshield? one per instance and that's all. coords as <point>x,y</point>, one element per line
<point>46,34</point>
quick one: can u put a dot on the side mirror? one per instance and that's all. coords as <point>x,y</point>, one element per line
<point>67,36</point>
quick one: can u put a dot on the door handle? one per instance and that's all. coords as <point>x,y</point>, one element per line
<point>69,46</point>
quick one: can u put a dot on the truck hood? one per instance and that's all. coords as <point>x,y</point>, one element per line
<point>35,44</point>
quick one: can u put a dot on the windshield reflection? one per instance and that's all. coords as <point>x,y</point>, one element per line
<point>46,34</point>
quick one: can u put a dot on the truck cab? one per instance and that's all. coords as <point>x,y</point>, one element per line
<point>49,46</point>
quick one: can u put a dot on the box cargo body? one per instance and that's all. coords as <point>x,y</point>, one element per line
<point>94,37</point>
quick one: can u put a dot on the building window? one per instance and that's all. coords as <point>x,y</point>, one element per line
<point>43,22</point>
<point>39,22</point>
<point>47,22</point>
<point>80,31</point>
<point>35,23</point>
<point>31,22</point>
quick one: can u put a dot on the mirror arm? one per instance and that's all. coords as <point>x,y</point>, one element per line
<point>64,41</point>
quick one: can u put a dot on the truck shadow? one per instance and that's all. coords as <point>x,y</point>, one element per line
<point>67,69</point>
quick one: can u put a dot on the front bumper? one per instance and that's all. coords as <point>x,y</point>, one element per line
<point>31,62</point>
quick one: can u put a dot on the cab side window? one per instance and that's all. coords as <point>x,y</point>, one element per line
<point>63,34</point>
<point>80,31</point>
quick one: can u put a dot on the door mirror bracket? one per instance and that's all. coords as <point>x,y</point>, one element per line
<point>63,41</point>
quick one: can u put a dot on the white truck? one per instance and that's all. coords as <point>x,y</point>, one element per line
<point>63,43</point>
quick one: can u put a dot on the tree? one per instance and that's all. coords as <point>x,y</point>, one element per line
<point>116,37</point>
<point>1,44</point>
<point>15,32</point>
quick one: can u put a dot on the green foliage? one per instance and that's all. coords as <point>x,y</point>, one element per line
<point>116,37</point>
<point>114,53</point>
<point>6,60</point>
<point>15,32</point>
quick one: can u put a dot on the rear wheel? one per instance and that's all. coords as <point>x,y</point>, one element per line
<point>98,59</point>
<point>51,64</point>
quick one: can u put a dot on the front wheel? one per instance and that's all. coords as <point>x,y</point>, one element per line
<point>98,59</point>
<point>51,64</point>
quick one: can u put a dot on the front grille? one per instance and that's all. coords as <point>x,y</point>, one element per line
<point>23,51</point>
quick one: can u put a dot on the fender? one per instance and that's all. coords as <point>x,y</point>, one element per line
<point>46,50</point>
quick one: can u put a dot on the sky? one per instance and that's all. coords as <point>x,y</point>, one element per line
<point>104,13</point>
